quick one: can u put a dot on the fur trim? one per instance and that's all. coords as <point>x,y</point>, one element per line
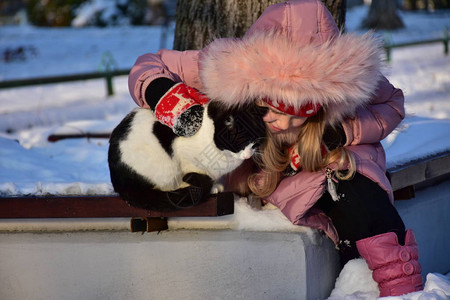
<point>340,75</point>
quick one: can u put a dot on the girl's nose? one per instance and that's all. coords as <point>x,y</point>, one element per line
<point>283,122</point>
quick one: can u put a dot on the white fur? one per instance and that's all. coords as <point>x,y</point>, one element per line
<point>141,151</point>
<point>198,153</point>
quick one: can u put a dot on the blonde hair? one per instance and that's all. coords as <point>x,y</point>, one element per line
<point>274,156</point>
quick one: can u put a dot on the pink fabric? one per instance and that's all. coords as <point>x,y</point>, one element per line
<point>175,65</point>
<point>374,122</point>
<point>295,195</point>
<point>395,267</point>
<point>305,22</point>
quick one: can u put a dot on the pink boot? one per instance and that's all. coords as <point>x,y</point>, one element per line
<point>395,267</point>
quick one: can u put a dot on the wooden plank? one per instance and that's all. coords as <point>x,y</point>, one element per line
<point>419,171</point>
<point>109,206</point>
<point>87,135</point>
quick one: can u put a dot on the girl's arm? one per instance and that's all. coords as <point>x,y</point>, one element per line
<point>375,121</point>
<point>175,65</point>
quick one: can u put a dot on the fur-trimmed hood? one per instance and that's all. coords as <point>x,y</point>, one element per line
<point>287,60</point>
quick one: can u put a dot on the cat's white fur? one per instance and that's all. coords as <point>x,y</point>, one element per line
<point>197,153</point>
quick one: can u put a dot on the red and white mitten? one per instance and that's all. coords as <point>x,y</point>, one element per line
<point>180,107</point>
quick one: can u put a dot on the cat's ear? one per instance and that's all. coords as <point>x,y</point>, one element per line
<point>189,122</point>
<point>260,110</point>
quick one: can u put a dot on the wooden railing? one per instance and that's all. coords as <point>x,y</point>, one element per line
<point>107,206</point>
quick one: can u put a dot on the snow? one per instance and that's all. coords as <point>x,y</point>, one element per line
<point>88,10</point>
<point>29,164</point>
<point>355,283</point>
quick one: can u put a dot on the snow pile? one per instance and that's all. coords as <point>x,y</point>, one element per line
<point>355,283</point>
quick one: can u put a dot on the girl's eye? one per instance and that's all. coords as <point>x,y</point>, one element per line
<point>277,112</point>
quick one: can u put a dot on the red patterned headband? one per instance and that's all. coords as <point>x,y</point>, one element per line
<point>307,110</point>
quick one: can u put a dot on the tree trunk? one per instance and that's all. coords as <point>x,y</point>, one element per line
<point>383,15</point>
<point>337,9</point>
<point>198,22</point>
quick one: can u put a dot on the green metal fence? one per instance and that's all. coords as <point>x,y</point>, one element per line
<point>108,76</point>
<point>107,70</point>
<point>388,45</point>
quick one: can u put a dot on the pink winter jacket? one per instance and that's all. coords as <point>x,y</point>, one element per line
<point>366,104</point>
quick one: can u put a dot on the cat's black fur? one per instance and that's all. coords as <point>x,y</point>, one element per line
<point>141,147</point>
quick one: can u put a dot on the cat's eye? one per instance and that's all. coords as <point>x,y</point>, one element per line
<point>229,122</point>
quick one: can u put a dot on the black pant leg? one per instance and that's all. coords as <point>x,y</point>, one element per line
<point>363,210</point>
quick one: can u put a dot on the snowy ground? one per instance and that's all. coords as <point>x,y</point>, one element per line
<point>78,166</point>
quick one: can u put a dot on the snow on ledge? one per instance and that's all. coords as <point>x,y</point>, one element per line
<point>245,218</point>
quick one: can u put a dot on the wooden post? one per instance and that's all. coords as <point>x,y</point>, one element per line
<point>445,40</point>
<point>108,64</point>
<point>109,84</point>
<point>388,47</point>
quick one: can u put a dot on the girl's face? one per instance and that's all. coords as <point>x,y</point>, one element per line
<point>279,122</point>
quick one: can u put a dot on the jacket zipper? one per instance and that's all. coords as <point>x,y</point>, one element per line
<point>331,186</point>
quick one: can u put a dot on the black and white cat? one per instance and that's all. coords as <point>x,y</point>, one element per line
<point>152,168</point>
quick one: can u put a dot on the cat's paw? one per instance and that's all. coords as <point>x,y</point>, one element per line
<point>199,180</point>
<point>217,188</point>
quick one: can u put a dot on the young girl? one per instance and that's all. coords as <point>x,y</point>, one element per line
<point>328,109</point>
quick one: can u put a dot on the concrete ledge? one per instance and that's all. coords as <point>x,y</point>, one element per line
<point>178,264</point>
<point>428,214</point>
<point>251,254</point>
<point>248,255</point>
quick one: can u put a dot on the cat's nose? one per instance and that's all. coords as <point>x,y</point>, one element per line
<point>248,154</point>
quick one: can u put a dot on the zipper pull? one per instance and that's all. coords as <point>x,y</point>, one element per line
<point>331,186</point>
